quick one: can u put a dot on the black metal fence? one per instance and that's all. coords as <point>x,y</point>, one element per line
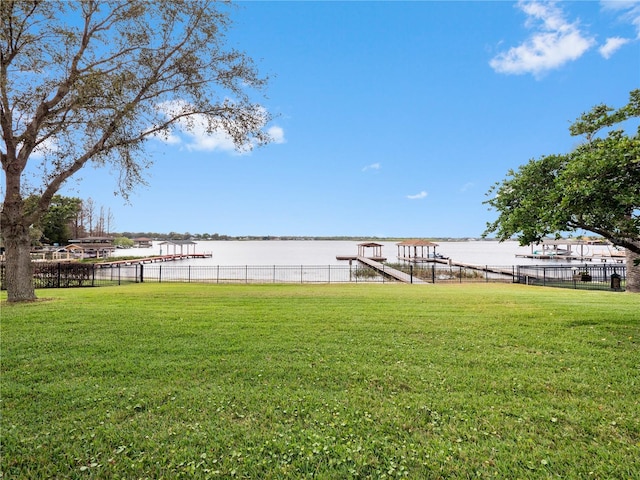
<point>64,275</point>
<point>259,274</point>
<point>443,273</point>
<point>588,277</point>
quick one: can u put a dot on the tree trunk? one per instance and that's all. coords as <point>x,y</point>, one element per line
<point>633,272</point>
<point>18,271</point>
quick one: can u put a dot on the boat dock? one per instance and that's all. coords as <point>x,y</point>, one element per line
<point>388,271</point>
<point>370,254</point>
<point>154,259</point>
<point>413,253</point>
<point>574,249</point>
<point>564,257</point>
<point>408,278</point>
<point>473,266</point>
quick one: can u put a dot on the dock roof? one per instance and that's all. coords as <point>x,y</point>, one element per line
<point>417,243</point>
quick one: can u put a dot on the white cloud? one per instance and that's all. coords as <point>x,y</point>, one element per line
<point>418,196</point>
<point>195,131</point>
<point>553,43</point>
<point>373,166</point>
<point>630,11</point>
<point>611,46</point>
<point>201,140</point>
<point>47,147</point>
<point>167,137</point>
<point>277,134</point>
<point>466,186</point>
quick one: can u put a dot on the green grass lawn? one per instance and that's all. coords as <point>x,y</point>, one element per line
<point>325,381</point>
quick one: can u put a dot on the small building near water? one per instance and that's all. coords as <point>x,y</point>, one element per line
<point>370,250</point>
<point>142,242</point>
<point>170,247</point>
<point>92,247</point>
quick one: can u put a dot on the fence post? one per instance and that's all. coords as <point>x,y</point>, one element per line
<point>433,274</point>
<point>160,274</point>
<point>59,273</point>
<point>411,273</point>
<point>141,273</point>
<point>329,273</point>
<point>119,271</point>
<point>93,275</point>
<point>189,274</point>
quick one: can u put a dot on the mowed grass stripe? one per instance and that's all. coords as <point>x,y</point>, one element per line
<point>325,381</point>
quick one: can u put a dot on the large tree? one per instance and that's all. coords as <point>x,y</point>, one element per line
<point>594,188</point>
<point>89,82</point>
<point>56,222</point>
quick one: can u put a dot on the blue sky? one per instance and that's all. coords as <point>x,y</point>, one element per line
<point>391,118</point>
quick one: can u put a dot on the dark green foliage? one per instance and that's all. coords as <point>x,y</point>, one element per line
<point>55,223</point>
<point>596,187</point>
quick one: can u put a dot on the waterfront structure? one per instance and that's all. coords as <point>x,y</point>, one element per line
<point>575,249</point>
<point>174,244</point>
<point>92,247</point>
<point>142,242</point>
<point>414,251</point>
<point>370,250</point>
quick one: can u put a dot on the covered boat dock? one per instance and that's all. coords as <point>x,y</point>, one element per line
<point>414,251</point>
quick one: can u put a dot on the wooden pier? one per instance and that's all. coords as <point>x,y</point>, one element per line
<point>154,259</point>
<point>388,271</point>
<point>473,266</point>
<point>369,250</point>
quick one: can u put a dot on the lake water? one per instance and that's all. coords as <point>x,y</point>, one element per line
<point>323,252</point>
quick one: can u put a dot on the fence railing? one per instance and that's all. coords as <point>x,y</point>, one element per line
<point>590,277</point>
<point>64,275</point>
<point>258,274</point>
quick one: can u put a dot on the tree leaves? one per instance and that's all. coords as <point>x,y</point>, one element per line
<point>596,187</point>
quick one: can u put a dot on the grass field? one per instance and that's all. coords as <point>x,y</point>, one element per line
<point>329,381</point>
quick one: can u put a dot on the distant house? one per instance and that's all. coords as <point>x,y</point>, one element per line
<point>67,252</point>
<point>93,247</point>
<point>175,244</point>
<point>142,242</point>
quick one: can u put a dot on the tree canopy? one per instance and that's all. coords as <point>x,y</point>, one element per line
<point>595,187</point>
<point>89,82</point>
<point>55,223</point>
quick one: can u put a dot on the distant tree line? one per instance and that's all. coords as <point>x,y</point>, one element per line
<point>217,236</point>
<point>176,236</point>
